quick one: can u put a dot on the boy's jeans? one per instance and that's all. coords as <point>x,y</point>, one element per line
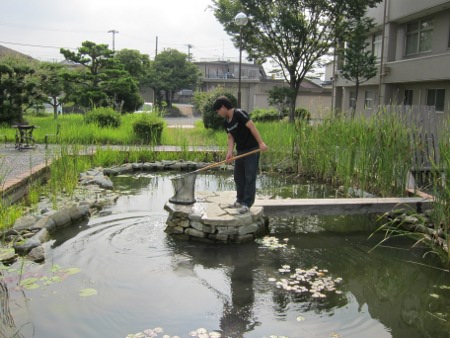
<point>245,172</point>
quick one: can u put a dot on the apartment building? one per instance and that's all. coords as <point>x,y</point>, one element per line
<point>412,44</point>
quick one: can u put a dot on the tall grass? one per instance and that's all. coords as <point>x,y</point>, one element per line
<point>441,205</point>
<point>373,154</point>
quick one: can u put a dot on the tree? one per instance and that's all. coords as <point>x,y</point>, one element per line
<point>18,89</point>
<point>53,85</point>
<point>134,62</point>
<point>280,97</point>
<point>359,63</point>
<point>170,72</point>
<point>294,33</point>
<point>103,82</point>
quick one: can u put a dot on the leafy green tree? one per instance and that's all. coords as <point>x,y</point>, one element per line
<point>18,89</point>
<point>295,34</point>
<point>280,97</point>
<point>359,63</point>
<point>134,62</point>
<point>171,72</point>
<point>53,85</point>
<point>103,81</point>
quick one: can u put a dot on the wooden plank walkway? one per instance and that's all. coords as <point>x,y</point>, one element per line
<point>341,206</point>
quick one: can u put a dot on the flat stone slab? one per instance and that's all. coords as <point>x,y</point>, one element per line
<point>341,206</point>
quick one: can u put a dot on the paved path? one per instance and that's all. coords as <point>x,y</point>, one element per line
<point>16,165</point>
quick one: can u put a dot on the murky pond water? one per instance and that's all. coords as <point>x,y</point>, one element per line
<point>122,274</point>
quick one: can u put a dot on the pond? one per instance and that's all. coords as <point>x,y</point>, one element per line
<point>121,274</point>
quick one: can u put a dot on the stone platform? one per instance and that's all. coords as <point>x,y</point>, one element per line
<point>210,220</point>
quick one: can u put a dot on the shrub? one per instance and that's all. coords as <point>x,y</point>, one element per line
<point>210,118</point>
<point>103,117</point>
<point>265,115</point>
<point>302,114</point>
<point>149,128</point>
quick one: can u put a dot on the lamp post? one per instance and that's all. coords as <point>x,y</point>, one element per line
<point>241,20</point>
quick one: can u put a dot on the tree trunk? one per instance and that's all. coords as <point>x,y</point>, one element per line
<point>294,86</point>
<point>356,99</point>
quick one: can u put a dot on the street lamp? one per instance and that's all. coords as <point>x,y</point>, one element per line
<point>241,20</point>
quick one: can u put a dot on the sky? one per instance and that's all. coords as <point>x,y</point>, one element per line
<point>39,28</point>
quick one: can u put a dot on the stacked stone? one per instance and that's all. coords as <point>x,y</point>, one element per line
<point>210,220</point>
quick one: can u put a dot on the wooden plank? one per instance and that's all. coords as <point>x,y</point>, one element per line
<point>341,206</point>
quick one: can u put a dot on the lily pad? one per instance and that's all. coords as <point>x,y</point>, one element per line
<point>26,281</point>
<point>72,271</point>
<point>30,283</point>
<point>88,292</point>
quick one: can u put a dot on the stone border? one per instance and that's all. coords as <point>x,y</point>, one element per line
<point>31,231</point>
<point>210,220</point>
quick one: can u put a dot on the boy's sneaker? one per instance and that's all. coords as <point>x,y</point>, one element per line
<point>244,209</point>
<point>235,205</point>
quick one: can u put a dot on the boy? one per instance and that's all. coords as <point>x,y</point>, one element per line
<point>243,134</point>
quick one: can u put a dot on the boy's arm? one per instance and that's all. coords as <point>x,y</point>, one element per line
<point>250,125</point>
<point>230,146</point>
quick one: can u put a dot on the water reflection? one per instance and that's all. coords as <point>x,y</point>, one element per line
<point>146,279</point>
<point>239,263</point>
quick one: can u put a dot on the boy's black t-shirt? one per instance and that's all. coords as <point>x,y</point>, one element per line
<point>241,134</point>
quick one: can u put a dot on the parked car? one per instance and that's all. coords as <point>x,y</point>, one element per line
<point>146,108</point>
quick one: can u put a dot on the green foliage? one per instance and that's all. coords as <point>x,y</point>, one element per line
<point>359,64</point>
<point>134,62</point>
<point>211,119</point>
<point>171,72</point>
<point>198,99</point>
<point>280,97</point>
<point>296,34</point>
<point>302,114</point>
<point>265,115</point>
<point>148,129</point>
<point>53,85</point>
<point>18,89</point>
<point>103,82</point>
<point>103,117</point>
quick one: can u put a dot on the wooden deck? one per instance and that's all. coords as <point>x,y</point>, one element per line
<point>341,206</point>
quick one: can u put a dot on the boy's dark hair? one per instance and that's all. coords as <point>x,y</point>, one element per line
<point>222,101</point>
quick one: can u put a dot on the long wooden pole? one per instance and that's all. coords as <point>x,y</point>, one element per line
<point>221,162</point>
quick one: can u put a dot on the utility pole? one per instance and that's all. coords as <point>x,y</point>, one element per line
<point>114,32</point>
<point>189,46</point>
<point>156,50</point>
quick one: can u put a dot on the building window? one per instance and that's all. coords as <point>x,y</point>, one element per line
<point>368,100</point>
<point>352,100</point>
<point>436,98</point>
<point>376,45</point>
<point>418,36</point>
<point>408,99</point>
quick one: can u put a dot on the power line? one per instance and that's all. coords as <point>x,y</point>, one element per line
<point>31,45</point>
<point>47,28</point>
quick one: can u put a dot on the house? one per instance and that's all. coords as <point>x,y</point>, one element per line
<point>412,44</point>
<point>255,85</point>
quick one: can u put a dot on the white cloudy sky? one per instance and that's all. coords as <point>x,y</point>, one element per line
<point>40,27</point>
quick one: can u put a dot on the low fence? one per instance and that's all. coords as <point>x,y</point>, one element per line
<point>427,127</point>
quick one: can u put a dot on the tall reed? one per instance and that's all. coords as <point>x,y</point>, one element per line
<point>441,193</point>
<point>372,154</point>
